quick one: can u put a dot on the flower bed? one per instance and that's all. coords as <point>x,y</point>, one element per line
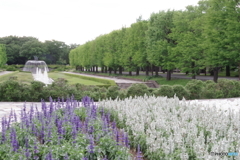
<point>63,130</point>
<point>170,129</point>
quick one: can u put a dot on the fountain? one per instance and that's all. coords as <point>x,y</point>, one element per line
<point>39,70</point>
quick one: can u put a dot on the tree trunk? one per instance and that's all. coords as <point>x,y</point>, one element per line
<point>106,69</point>
<point>152,69</point>
<point>193,76</point>
<point>156,70</point>
<point>110,70</point>
<point>115,70</point>
<point>137,71</point>
<point>193,72</point>
<point>215,74</point>
<point>102,69</point>
<point>93,68</point>
<point>168,75</point>
<point>130,73</point>
<point>147,71</point>
<point>205,69</point>
<point>120,70</point>
<point>228,71</point>
<point>97,69</point>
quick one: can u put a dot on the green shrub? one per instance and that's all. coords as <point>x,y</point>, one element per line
<point>36,91</point>
<point>151,90</point>
<point>113,92</point>
<point>11,91</point>
<point>236,91</point>
<point>137,89</point>
<point>195,88</point>
<point>11,68</point>
<point>211,91</point>
<point>164,90</point>
<point>228,87</point>
<point>122,94</point>
<point>180,92</point>
<point>208,81</point>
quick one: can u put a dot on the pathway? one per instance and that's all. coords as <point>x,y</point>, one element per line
<point>5,72</point>
<point>117,80</point>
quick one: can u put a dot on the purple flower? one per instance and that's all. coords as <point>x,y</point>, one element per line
<point>91,146</point>
<point>139,153</point>
<point>14,141</point>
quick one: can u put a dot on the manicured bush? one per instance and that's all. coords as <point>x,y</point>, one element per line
<point>11,68</point>
<point>195,88</point>
<point>137,89</point>
<point>11,91</point>
<point>122,94</point>
<point>113,92</point>
<point>151,90</point>
<point>164,90</point>
<point>180,92</point>
<point>211,91</point>
<point>37,91</point>
<point>228,87</point>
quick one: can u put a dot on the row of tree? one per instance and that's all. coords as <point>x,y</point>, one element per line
<point>3,56</point>
<point>21,49</point>
<point>206,35</point>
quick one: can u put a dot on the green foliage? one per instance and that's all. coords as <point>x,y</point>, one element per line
<point>122,94</point>
<point>113,92</point>
<point>195,88</point>
<point>211,91</point>
<point>180,92</point>
<point>11,68</point>
<point>11,91</point>
<point>137,89</point>
<point>3,56</point>
<point>164,90</point>
<point>228,88</point>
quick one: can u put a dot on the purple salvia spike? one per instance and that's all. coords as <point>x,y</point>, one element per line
<point>139,153</point>
<point>126,141</point>
<point>27,154</point>
<point>117,137</point>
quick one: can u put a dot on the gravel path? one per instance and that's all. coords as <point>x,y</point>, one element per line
<point>5,72</point>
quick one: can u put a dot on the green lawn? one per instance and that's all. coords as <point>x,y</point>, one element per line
<point>72,79</point>
<point>26,77</point>
<point>23,77</point>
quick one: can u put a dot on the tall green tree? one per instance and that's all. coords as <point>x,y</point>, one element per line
<point>13,46</point>
<point>3,55</point>
<point>33,48</point>
<point>139,44</point>
<point>188,34</point>
<point>160,44</point>
<point>222,34</point>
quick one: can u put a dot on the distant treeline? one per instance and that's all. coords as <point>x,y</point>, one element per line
<point>202,36</point>
<point>21,49</point>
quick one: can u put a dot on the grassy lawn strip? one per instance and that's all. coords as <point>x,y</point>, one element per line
<point>103,81</point>
<point>159,80</point>
<point>23,77</point>
<point>73,79</point>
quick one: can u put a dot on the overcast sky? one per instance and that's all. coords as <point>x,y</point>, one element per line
<point>76,21</point>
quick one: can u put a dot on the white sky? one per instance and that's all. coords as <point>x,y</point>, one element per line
<point>76,21</point>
